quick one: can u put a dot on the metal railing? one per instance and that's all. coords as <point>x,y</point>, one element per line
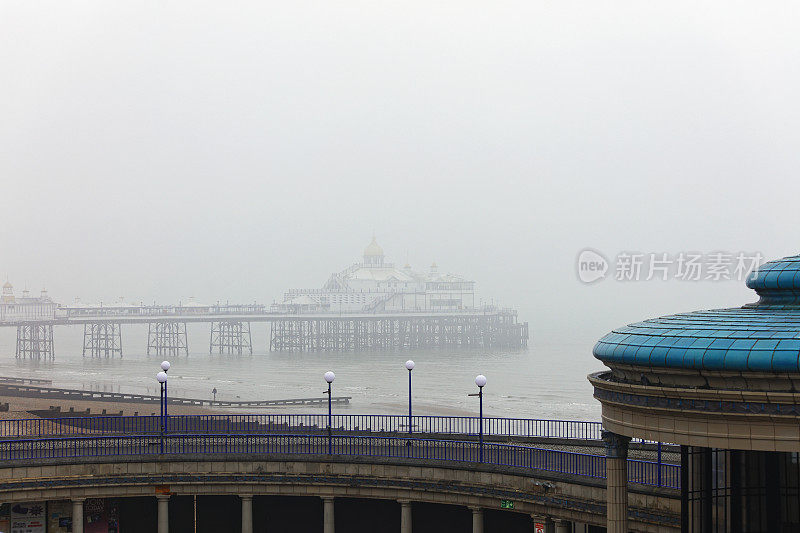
<point>301,423</point>
<point>563,462</point>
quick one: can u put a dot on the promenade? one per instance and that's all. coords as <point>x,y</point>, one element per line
<point>550,469</point>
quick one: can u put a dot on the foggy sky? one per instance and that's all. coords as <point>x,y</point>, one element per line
<point>161,150</point>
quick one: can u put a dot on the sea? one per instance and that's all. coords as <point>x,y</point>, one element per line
<point>542,381</point>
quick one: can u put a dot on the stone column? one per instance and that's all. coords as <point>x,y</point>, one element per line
<point>77,515</point>
<point>477,519</point>
<point>328,524</point>
<point>616,482</point>
<point>563,526</point>
<point>163,513</point>
<point>247,514</point>
<point>539,523</point>
<point>405,516</point>
<point>578,527</point>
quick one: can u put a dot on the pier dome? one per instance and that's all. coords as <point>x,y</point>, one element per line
<point>373,254</point>
<point>373,249</point>
<point>757,337</point>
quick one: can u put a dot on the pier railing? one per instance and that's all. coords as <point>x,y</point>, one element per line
<point>302,424</point>
<point>407,448</point>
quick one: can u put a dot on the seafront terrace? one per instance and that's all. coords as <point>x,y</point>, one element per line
<point>544,469</point>
<point>536,444</point>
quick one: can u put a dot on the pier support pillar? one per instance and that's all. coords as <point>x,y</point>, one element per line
<point>77,515</point>
<point>477,519</point>
<point>328,523</point>
<point>163,513</point>
<point>167,339</point>
<point>247,514</point>
<point>405,516</point>
<point>231,337</point>
<point>616,482</point>
<point>343,333</point>
<point>102,339</point>
<point>35,340</point>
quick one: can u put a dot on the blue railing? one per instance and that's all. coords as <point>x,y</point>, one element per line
<point>300,423</point>
<point>577,464</point>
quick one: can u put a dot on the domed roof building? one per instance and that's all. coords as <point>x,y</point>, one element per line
<point>373,285</point>
<point>14,309</point>
<point>7,296</point>
<point>725,386</point>
<point>373,253</point>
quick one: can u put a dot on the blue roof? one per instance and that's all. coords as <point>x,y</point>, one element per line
<point>777,282</point>
<point>762,337</point>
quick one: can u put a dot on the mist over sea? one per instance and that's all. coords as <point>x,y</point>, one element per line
<point>544,381</point>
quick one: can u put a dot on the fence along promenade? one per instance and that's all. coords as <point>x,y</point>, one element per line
<point>36,439</point>
<point>301,423</point>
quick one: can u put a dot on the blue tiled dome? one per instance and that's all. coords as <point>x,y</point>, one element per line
<point>762,337</point>
<point>777,282</point>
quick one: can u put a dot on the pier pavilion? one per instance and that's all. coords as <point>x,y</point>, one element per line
<point>375,285</point>
<point>725,386</point>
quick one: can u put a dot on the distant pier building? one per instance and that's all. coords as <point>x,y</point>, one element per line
<point>373,304</point>
<point>34,318</point>
<point>373,285</point>
<point>26,307</point>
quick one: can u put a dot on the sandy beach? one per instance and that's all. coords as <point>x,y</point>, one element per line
<point>20,407</point>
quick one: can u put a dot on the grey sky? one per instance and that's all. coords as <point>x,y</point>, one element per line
<point>159,150</point>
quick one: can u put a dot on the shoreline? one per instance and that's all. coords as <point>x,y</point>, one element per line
<point>19,407</point>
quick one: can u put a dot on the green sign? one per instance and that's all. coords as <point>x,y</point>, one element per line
<point>506,504</point>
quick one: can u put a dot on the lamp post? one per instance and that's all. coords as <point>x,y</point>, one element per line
<point>329,377</point>
<point>165,367</point>
<point>161,377</point>
<point>410,366</point>
<point>480,381</point>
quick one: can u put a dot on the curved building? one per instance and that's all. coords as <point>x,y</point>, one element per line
<point>725,386</point>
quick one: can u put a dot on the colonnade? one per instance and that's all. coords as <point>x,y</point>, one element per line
<point>329,525</point>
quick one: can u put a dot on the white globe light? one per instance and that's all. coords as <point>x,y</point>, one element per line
<point>161,377</point>
<point>480,380</point>
<point>165,365</point>
<point>329,376</point>
<point>410,364</point>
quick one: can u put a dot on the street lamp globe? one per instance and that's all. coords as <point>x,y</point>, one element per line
<point>329,376</point>
<point>161,377</point>
<point>165,365</point>
<point>410,364</point>
<point>480,380</point>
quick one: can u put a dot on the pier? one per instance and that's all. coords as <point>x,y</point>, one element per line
<point>230,329</point>
<point>370,305</point>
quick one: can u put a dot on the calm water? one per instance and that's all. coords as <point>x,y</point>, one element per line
<point>541,382</point>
